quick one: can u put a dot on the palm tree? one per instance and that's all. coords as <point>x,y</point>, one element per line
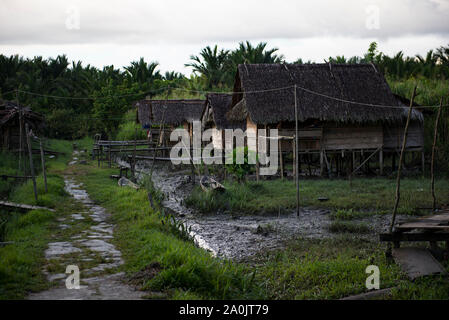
<point>143,72</point>
<point>246,53</point>
<point>211,64</point>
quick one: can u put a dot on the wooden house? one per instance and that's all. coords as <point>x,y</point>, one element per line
<point>160,117</point>
<point>13,118</point>
<point>341,109</point>
<point>214,117</point>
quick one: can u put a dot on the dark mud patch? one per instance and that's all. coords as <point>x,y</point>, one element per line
<point>241,236</point>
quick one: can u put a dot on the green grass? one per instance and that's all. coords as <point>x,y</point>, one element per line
<point>367,194</point>
<point>146,238</point>
<point>323,269</point>
<point>21,261</point>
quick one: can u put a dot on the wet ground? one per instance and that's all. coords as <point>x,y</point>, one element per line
<point>91,246</point>
<point>239,237</point>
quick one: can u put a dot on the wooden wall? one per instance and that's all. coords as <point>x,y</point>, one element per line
<point>394,135</point>
<point>346,138</point>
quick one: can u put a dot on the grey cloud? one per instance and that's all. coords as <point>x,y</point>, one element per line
<point>134,22</point>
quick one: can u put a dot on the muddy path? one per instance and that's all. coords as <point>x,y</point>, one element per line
<point>85,240</point>
<point>240,236</point>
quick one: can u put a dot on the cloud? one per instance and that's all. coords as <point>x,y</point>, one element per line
<point>179,21</point>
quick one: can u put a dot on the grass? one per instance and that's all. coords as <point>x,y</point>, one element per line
<point>348,227</point>
<point>323,269</point>
<point>146,239</point>
<point>21,261</point>
<point>367,194</point>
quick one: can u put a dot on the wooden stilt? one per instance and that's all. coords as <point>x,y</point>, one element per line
<point>321,163</point>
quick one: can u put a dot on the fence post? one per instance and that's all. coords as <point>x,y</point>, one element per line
<point>432,172</point>
<point>398,179</point>
<point>30,153</point>
<point>43,164</point>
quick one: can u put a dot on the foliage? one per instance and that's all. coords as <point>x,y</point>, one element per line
<point>243,169</point>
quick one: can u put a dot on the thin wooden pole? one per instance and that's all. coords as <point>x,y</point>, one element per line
<point>43,164</point>
<point>398,178</point>
<point>296,151</point>
<point>281,158</point>
<point>432,170</point>
<point>30,153</point>
<point>381,162</point>
<point>134,156</point>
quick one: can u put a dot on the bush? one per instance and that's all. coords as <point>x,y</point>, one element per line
<point>127,131</point>
<point>240,170</point>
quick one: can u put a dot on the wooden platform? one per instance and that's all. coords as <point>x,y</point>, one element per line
<point>431,228</point>
<point>417,262</point>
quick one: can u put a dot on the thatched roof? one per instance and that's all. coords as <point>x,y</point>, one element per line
<point>169,112</point>
<point>356,82</point>
<point>9,111</point>
<point>217,104</point>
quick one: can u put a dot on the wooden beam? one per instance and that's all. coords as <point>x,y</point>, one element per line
<point>23,206</point>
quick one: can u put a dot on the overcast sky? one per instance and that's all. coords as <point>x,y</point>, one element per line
<point>105,32</point>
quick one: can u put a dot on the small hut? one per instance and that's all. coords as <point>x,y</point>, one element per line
<point>337,108</point>
<point>214,117</point>
<point>160,116</point>
<point>13,118</point>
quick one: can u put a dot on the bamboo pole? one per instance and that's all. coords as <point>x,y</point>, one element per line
<point>296,153</point>
<point>398,179</point>
<point>432,172</point>
<point>30,153</point>
<point>43,164</point>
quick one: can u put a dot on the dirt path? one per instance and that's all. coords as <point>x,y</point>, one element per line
<point>84,240</point>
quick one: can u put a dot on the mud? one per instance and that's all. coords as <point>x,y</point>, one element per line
<point>241,236</point>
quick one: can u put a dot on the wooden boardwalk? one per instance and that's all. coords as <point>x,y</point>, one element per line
<point>430,228</point>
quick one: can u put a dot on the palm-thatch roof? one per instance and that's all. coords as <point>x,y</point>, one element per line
<point>352,82</point>
<point>169,112</point>
<point>217,104</point>
<point>9,114</point>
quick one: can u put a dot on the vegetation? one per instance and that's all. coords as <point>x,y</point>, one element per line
<point>28,233</point>
<point>96,100</point>
<point>375,195</point>
<point>149,240</point>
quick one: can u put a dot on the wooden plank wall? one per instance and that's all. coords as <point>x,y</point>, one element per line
<point>348,138</point>
<point>393,136</point>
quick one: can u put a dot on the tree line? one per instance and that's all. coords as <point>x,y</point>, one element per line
<point>96,100</point>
